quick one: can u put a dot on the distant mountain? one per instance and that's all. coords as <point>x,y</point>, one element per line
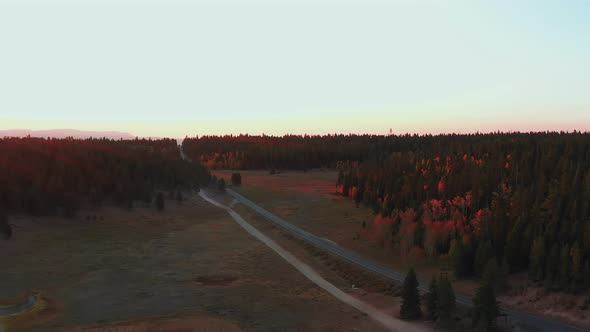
<point>62,133</point>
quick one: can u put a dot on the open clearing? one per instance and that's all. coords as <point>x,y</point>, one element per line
<point>308,201</point>
<point>189,268</point>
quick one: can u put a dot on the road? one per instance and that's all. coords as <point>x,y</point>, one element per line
<point>388,321</point>
<point>521,319</point>
<point>17,309</point>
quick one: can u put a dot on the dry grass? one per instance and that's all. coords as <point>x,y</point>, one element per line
<point>190,263</point>
<point>302,199</point>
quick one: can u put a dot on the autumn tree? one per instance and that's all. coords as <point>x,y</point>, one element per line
<point>410,308</point>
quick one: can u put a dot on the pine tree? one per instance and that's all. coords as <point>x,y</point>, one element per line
<point>5,227</point>
<point>432,298</point>
<point>552,268</point>
<point>486,307</point>
<point>564,267</point>
<point>537,260</point>
<point>577,272</point>
<point>160,201</point>
<point>445,302</point>
<point>459,259</point>
<point>586,275</point>
<point>410,308</point>
<point>482,257</point>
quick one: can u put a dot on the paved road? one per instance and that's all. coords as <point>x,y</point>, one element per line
<point>390,322</point>
<point>523,320</point>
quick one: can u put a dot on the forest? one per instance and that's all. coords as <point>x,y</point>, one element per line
<point>58,176</point>
<point>521,200</point>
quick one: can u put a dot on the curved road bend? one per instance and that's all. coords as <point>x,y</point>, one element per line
<point>524,320</point>
<point>17,309</point>
<point>386,320</point>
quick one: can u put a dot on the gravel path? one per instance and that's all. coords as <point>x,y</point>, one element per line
<point>386,320</point>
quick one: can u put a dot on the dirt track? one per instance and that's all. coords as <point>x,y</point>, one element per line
<point>388,321</point>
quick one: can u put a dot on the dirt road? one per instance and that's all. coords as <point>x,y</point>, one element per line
<point>386,320</point>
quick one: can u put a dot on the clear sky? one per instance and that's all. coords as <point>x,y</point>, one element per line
<point>171,68</point>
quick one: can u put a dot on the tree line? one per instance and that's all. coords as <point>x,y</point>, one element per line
<point>519,199</point>
<point>56,176</point>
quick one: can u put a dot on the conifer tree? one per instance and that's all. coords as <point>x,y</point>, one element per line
<point>445,302</point>
<point>410,308</point>
<point>432,298</point>
<point>486,308</point>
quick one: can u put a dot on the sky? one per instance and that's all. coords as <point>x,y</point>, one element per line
<point>178,67</point>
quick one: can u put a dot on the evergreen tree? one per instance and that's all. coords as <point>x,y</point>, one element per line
<point>586,275</point>
<point>486,307</point>
<point>537,260</point>
<point>577,268</point>
<point>178,196</point>
<point>445,302</point>
<point>496,275</point>
<point>5,227</point>
<point>513,245</point>
<point>564,267</point>
<point>482,257</point>
<point>552,268</point>
<point>410,308</point>
<point>432,298</point>
<point>459,259</point>
<point>160,201</point>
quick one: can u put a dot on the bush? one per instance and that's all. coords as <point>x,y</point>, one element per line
<point>236,179</point>
<point>221,184</point>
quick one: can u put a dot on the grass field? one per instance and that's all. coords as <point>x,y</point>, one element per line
<point>189,268</point>
<point>309,201</point>
<point>313,205</point>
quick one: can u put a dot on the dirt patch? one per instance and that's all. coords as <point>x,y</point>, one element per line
<point>215,280</point>
<point>566,307</point>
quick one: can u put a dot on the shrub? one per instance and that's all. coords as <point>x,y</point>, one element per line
<point>221,184</point>
<point>236,179</point>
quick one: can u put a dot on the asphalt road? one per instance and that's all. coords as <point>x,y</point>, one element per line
<point>520,319</point>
